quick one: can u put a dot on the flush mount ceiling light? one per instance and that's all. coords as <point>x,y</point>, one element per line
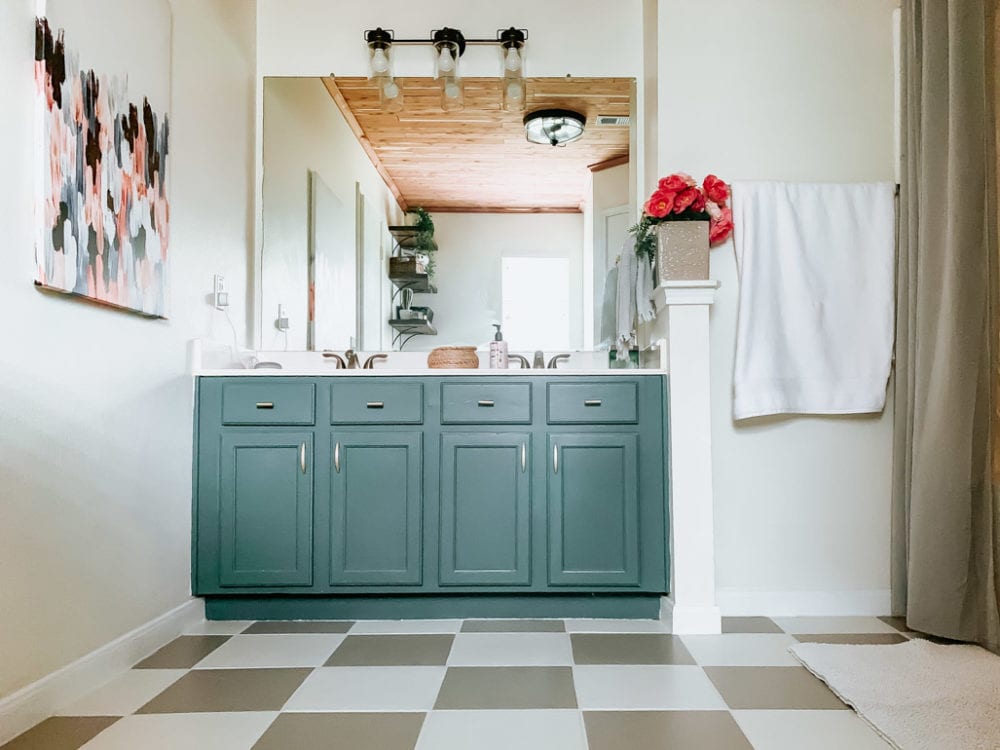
<point>554,127</point>
<point>449,46</point>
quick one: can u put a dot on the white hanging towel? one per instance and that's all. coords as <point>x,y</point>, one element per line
<point>635,293</point>
<point>815,322</point>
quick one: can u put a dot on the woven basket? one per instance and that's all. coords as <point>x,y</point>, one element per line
<point>453,357</point>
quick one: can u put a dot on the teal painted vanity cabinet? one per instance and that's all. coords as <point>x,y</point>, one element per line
<point>318,491</point>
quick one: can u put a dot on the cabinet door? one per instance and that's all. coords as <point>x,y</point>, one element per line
<point>376,502</point>
<point>593,509</point>
<point>485,509</point>
<point>266,508</point>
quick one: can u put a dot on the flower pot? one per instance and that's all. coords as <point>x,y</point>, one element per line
<point>681,250</point>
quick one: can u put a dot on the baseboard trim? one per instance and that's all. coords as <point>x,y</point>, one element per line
<point>43,698</point>
<point>737,603</point>
<point>684,620</point>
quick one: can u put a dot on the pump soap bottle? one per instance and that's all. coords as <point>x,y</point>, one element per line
<point>498,350</point>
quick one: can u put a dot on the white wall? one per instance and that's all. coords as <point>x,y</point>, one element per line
<point>468,272</point>
<point>95,422</point>
<point>303,131</point>
<point>800,90</point>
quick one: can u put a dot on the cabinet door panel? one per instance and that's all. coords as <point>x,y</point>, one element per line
<point>593,509</point>
<point>376,504</point>
<point>265,509</point>
<point>485,509</point>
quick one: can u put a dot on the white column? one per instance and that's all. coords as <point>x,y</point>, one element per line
<point>682,318</point>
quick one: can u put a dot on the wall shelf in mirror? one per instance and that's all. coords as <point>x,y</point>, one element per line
<point>407,237</point>
<point>407,329</point>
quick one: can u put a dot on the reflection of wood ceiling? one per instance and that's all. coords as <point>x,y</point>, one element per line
<point>478,159</point>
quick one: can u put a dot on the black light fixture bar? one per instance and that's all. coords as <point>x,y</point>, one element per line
<point>503,38</point>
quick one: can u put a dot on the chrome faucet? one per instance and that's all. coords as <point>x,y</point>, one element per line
<point>370,362</point>
<point>539,362</point>
<point>556,360</point>
<point>336,358</point>
<point>352,360</point>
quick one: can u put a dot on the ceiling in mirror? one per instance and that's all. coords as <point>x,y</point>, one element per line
<point>478,159</point>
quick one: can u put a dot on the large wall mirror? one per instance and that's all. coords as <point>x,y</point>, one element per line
<point>524,234</point>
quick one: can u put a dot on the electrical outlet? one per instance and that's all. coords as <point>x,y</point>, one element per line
<point>281,323</point>
<point>220,297</point>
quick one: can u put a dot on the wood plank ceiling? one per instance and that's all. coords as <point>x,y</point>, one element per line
<point>478,159</point>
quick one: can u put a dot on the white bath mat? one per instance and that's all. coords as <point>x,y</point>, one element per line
<point>918,695</point>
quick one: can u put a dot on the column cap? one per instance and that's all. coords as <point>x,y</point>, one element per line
<point>696,292</point>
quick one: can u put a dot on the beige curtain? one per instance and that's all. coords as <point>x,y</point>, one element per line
<point>946,513</point>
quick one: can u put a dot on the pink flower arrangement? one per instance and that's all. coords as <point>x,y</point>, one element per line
<point>678,197</point>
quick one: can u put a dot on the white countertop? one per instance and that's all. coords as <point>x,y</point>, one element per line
<point>388,372</point>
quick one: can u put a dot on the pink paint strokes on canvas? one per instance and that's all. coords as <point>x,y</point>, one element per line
<point>103,208</point>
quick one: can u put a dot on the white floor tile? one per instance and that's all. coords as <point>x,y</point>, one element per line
<point>741,650</point>
<point>230,731</point>
<point>616,626</point>
<point>814,625</point>
<point>511,649</point>
<point>502,730</point>
<point>645,687</point>
<point>808,730</point>
<point>368,689</point>
<point>219,627</point>
<point>406,627</point>
<point>298,650</point>
<point>125,694</point>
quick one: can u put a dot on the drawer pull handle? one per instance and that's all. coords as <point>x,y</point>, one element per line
<point>555,459</point>
<point>486,402</point>
<point>376,404</point>
<point>592,402</point>
<point>524,457</point>
<point>336,457</point>
<point>265,404</point>
<point>302,457</point>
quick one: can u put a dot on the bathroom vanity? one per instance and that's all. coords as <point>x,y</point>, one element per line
<point>363,494</point>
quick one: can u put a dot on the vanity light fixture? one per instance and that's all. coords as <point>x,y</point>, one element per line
<point>449,46</point>
<point>554,127</point>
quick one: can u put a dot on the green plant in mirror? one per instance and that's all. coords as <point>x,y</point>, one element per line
<point>425,237</point>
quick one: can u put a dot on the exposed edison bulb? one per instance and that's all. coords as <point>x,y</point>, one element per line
<point>515,91</point>
<point>446,63</point>
<point>512,59</point>
<point>452,90</point>
<point>380,61</point>
<point>390,90</point>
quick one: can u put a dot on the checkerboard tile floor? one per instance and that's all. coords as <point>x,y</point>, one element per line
<point>485,684</point>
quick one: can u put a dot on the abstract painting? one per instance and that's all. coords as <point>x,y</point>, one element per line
<point>102,213</point>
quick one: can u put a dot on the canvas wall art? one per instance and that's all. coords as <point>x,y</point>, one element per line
<point>102,209</point>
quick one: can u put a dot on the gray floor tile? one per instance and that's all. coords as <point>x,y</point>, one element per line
<point>326,731</point>
<point>750,625</point>
<point>514,626</point>
<point>858,639</point>
<point>183,652</point>
<point>392,650</point>
<point>228,690</point>
<point>507,688</point>
<point>664,730</point>
<point>629,648</point>
<point>61,733</point>
<point>772,688</point>
<point>503,730</point>
<point>298,626</point>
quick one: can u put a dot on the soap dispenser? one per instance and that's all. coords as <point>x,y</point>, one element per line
<point>498,350</point>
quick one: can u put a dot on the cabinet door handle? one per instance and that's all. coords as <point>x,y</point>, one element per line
<point>555,459</point>
<point>336,457</point>
<point>265,404</point>
<point>376,404</point>
<point>592,402</point>
<point>524,457</point>
<point>302,457</point>
<point>486,402</point>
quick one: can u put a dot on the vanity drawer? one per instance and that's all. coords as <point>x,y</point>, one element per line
<point>376,402</point>
<point>485,403</point>
<point>593,403</point>
<point>269,403</point>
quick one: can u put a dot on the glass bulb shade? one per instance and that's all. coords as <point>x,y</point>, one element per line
<point>554,127</point>
<point>379,62</point>
<point>513,94</point>
<point>445,59</point>
<point>512,59</point>
<point>390,96</point>
<point>390,90</point>
<point>452,98</point>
